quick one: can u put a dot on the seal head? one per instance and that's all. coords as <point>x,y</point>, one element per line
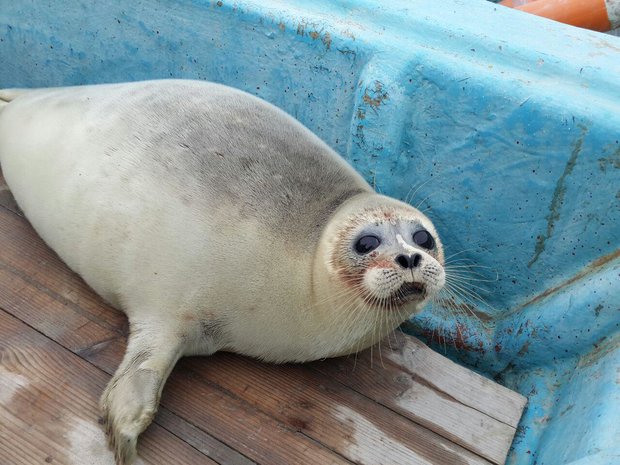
<point>383,259</point>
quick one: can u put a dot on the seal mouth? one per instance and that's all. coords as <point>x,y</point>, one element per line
<point>408,292</point>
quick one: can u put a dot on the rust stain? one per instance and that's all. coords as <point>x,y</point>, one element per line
<point>380,96</point>
<point>348,33</point>
<point>281,26</point>
<point>557,199</point>
<point>327,40</point>
<point>460,340</point>
<point>593,266</point>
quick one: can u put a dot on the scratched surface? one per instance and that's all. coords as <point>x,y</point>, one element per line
<point>504,125</point>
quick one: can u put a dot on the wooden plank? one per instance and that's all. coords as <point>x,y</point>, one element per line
<point>421,399</point>
<point>48,407</point>
<point>329,412</point>
<point>61,322</point>
<point>201,441</point>
<point>458,382</point>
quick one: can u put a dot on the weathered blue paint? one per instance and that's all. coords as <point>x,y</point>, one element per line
<point>508,125</point>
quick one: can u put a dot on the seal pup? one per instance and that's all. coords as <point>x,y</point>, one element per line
<point>215,221</point>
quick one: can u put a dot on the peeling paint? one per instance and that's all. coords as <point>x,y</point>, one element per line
<point>379,96</point>
<point>524,349</point>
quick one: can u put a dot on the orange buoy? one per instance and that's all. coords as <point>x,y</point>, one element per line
<point>598,15</point>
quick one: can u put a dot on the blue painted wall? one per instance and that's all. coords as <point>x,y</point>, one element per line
<point>505,126</point>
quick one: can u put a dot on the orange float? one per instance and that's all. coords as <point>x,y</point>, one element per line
<point>598,15</point>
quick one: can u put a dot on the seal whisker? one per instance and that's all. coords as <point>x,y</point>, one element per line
<point>420,186</point>
<point>464,309</point>
<point>471,270</point>
<point>446,260</point>
<point>469,279</point>
<point>467,293</point>
<point>424,200</point>
<point>450,280</point>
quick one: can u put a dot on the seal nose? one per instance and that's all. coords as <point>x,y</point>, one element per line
<point>409,261</point>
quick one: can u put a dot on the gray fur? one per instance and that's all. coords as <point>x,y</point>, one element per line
<point>246,154</point>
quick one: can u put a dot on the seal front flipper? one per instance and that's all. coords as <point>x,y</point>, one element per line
<point>131,398</point>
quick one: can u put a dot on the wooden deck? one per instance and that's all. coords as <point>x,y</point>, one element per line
<point>59,345</point>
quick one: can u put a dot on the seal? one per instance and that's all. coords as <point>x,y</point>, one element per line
<point>215,221</point>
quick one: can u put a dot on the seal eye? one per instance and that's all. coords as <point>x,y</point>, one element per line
<point>423,239</point>
<point>367,244</point>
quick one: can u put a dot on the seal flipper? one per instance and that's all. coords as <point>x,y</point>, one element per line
<point>131,398</point>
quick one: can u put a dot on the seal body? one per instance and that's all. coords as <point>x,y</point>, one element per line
<point>215,222</point>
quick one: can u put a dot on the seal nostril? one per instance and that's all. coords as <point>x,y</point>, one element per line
<point>415,260</point>
<point>403,261</point>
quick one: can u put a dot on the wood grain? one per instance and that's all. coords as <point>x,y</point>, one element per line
<point>329,412</point>
<point>420,395</point>
<point>462,384</point>
<point>48,407</point>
